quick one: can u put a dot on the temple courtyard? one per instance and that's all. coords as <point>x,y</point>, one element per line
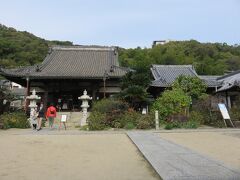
<point>74,154</point>
<point>70,155</point>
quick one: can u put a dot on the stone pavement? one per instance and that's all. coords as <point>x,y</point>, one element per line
<point>172,161</point>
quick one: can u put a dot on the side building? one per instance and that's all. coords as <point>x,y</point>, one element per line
<point>222,89</point>
<point>67,71</point>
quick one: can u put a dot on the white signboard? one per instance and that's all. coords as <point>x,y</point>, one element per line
<point>63,118</point>
<point>144,111</point>
<point>224,111</point>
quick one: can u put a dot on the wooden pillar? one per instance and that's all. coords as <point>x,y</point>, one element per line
<point>226,96</point>
<point>94,90</point>
<point>104,87</point>
<point>45,99</point>
<point>27,93</point>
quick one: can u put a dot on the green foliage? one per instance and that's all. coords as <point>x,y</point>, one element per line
<point>190,124</point>
<point>172,102</point>
<point>135,95</point>
<point>108,113</point>
<point>192,86</point>
<point>105,114</point>
<point>15,120</point>
<point>235,113</point>
<point>172,125</point>
<point>196,116</point>
<point>129,125</point>
<point>139,77</point>
<point>20,48</point>
<point>108,105</point>
<point>129,117</point>
<point>146,122</point>
<point>96,121</point>
<point>5,94</point>
<point>134,86</point>
<point>207,58</point>
<point>207,115</point>
<point>216,120</point>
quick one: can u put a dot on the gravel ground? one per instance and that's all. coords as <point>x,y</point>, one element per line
<point>27,155</point>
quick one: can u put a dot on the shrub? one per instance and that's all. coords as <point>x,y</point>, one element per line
<point>96,121</point>
<point>191,124</point>
<point>129,125</point>
<point>15,120</point>
<point>216,120</point>
<point>187,125</point>
<point>109,105</point>
<point>235,113</point>
<point>172,102</point>
<point>108,113</point>
<point>171,125</point>
<point>129,117</point>
<point>196,116</point>
<point>146,122</point>
<point>192,86</point>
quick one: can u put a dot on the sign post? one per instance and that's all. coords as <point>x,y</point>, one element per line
<point>156,120</point>
<point>225,114</point>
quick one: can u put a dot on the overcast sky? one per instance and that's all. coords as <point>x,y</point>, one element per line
<point>125,23</point>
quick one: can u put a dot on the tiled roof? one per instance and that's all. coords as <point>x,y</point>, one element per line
<point>211,81</point>
<point>165,75</point>
<point>230,80</point>
<point>81,62</point>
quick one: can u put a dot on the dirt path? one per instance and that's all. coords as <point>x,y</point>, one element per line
<point>224,146</point>
<point>70,157</point>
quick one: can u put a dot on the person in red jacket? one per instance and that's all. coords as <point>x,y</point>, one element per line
<point>51,114</point>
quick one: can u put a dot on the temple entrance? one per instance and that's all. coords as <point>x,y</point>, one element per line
<point>66,101</point>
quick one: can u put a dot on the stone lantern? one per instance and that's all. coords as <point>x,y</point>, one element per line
<point>33,102</point>
<point>84,98</point>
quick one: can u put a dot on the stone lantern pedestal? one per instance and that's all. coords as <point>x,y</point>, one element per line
<point>85,98</point>
<point>33,102</point>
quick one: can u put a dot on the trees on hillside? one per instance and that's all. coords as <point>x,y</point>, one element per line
<point>19,48</point>
<point>207,58</point>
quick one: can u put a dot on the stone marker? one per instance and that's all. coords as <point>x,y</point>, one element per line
<point>85,98</point>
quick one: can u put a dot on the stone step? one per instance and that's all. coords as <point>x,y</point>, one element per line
<point>73,119</point>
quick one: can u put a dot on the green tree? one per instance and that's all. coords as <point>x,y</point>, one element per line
<point>5,95</point>
<point>171,102</point>
<point>134,87</point>
<point>192,86</point>
<point>20,48</point>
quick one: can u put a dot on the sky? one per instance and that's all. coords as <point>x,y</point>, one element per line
<point>125,23</point>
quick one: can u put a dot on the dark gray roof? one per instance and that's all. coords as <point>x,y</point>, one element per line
<point>211,81</point>
<point>81,62</point>
<point>165,75</point>
<point>230,80</point>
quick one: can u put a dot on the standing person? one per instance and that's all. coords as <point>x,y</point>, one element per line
<point>51,114</point>
<point>40,117</point>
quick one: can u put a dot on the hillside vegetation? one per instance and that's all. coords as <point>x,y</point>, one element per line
<point>20,48</point>
<point>207,58</point>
